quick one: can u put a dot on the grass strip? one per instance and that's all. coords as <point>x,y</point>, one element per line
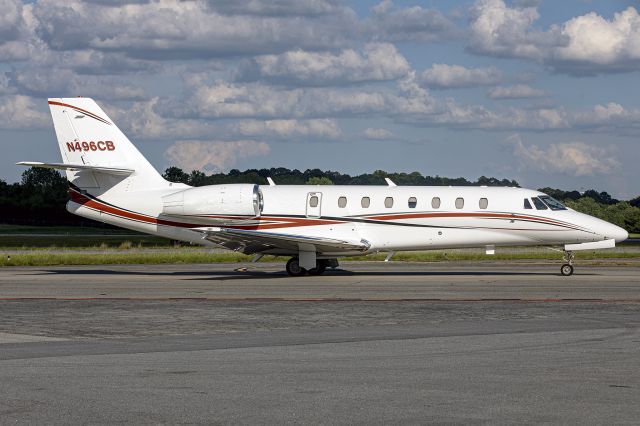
<point>192,257</point>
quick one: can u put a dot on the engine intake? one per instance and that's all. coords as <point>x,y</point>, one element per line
<point>222,203</point>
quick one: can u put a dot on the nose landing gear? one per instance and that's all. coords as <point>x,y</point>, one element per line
<point>567,268</point>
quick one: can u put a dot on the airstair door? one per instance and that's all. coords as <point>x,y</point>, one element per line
<point>314,203</point>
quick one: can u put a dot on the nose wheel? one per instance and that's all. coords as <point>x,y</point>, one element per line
<point>567,268</point>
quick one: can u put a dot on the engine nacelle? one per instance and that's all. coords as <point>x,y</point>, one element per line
<point>214,202</point>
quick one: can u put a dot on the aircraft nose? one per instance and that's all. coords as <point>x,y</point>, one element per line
<point>615,232</point>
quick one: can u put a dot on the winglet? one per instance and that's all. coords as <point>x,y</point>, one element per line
<point>390,182</point>
<point>271,182</point>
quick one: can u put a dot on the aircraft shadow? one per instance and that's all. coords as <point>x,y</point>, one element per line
<point>254,274</point>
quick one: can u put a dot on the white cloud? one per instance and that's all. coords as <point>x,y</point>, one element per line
<point>515,92</point>
<point>496,29</point>
<point>11,19</point>
<point>611,117</point>
<point>214,156</point>
<point>572,158</point>
<point>277,7</point>
<point>596,44</point>
<point>164,30</point>
<point>257,100</point>
<point>376,62</point>
<point>452,76</point>
<point>21,112</point>
<point>586,44</point>
<point>44,82</point>
<point>143,121</point>
<point>323,128</point>
<point>409,24</point>
<point>377,134</point>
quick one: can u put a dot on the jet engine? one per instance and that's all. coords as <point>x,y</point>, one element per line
<point>216,203</point>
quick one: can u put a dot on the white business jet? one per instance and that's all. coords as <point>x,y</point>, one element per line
<point>111,182</point>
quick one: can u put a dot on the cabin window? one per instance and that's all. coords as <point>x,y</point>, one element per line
<point>342,202</point>
<point>313,201</point>
<point>388,202</point>
<point>365,202</point>
<point>413,202</point>
<point>539,204</point>
<point>484,203</point>
<point>459,203</point>
<point>552,203</point>
<point>527,204</point>
<point>435,202</point>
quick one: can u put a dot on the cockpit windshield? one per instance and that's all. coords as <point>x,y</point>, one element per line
<point>552,203</point>
<point>538,203</point>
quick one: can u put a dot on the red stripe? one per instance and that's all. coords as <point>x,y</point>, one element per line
<point>483,215</point>
<point>96,205</point>
<point>84,111</point>
<point>287,222</point>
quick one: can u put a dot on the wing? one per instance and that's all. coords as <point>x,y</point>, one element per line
<point>250,242</point>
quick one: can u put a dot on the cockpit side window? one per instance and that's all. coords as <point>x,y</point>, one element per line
<point>527,204</point>
<point>552,203</point>
<point>539,204</point>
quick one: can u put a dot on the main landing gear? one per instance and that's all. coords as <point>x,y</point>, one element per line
<point>567,268</point>
<point>295,270</point>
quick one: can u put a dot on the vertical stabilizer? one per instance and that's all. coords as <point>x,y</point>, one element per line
<point>87,136</point>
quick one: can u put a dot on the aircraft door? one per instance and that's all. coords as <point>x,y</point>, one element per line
<point>314,203</point>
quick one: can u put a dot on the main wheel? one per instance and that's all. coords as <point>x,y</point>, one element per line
<point>321,266</point>
<point>566,270</point>
<point>294,269</point>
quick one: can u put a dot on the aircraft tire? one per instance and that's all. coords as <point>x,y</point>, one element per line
<point>294,269</point>
<point>566,270</point>
<point>319,269</point>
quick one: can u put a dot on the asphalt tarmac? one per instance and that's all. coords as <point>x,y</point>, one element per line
<point>373,343</point>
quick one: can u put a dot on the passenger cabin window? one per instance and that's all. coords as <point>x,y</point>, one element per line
<point>552,203</point>
<point>435,202</point>
<point>484,203</point>
<point>539,204</point>
<point>342,202</point>
<point>365,202</point>
<point>313,201</point>
<point>413,202</point>
<point>388,202</point>
<point>459,203</point>
<point>527,204</point>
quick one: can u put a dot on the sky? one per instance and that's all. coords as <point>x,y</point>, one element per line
<point>544,92</point>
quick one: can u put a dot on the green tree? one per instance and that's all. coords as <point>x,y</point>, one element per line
<point>319,181</point>
<point>197,178</point>
<point>175,174</point>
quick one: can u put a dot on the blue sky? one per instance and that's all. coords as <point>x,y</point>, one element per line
<point>544,92</point>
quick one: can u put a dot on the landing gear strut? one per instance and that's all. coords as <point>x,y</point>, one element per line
<point>567,268</point>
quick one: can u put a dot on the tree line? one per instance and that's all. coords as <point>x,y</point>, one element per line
<point>40,197</point>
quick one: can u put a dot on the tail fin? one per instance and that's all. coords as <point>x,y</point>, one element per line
<point>87,136</point>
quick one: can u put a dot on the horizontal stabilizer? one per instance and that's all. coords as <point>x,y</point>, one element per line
<point>591,246</point>
<point>77,167</point>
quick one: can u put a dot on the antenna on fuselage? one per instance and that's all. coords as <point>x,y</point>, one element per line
<point>271,182</point>
<point>390,182</point>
